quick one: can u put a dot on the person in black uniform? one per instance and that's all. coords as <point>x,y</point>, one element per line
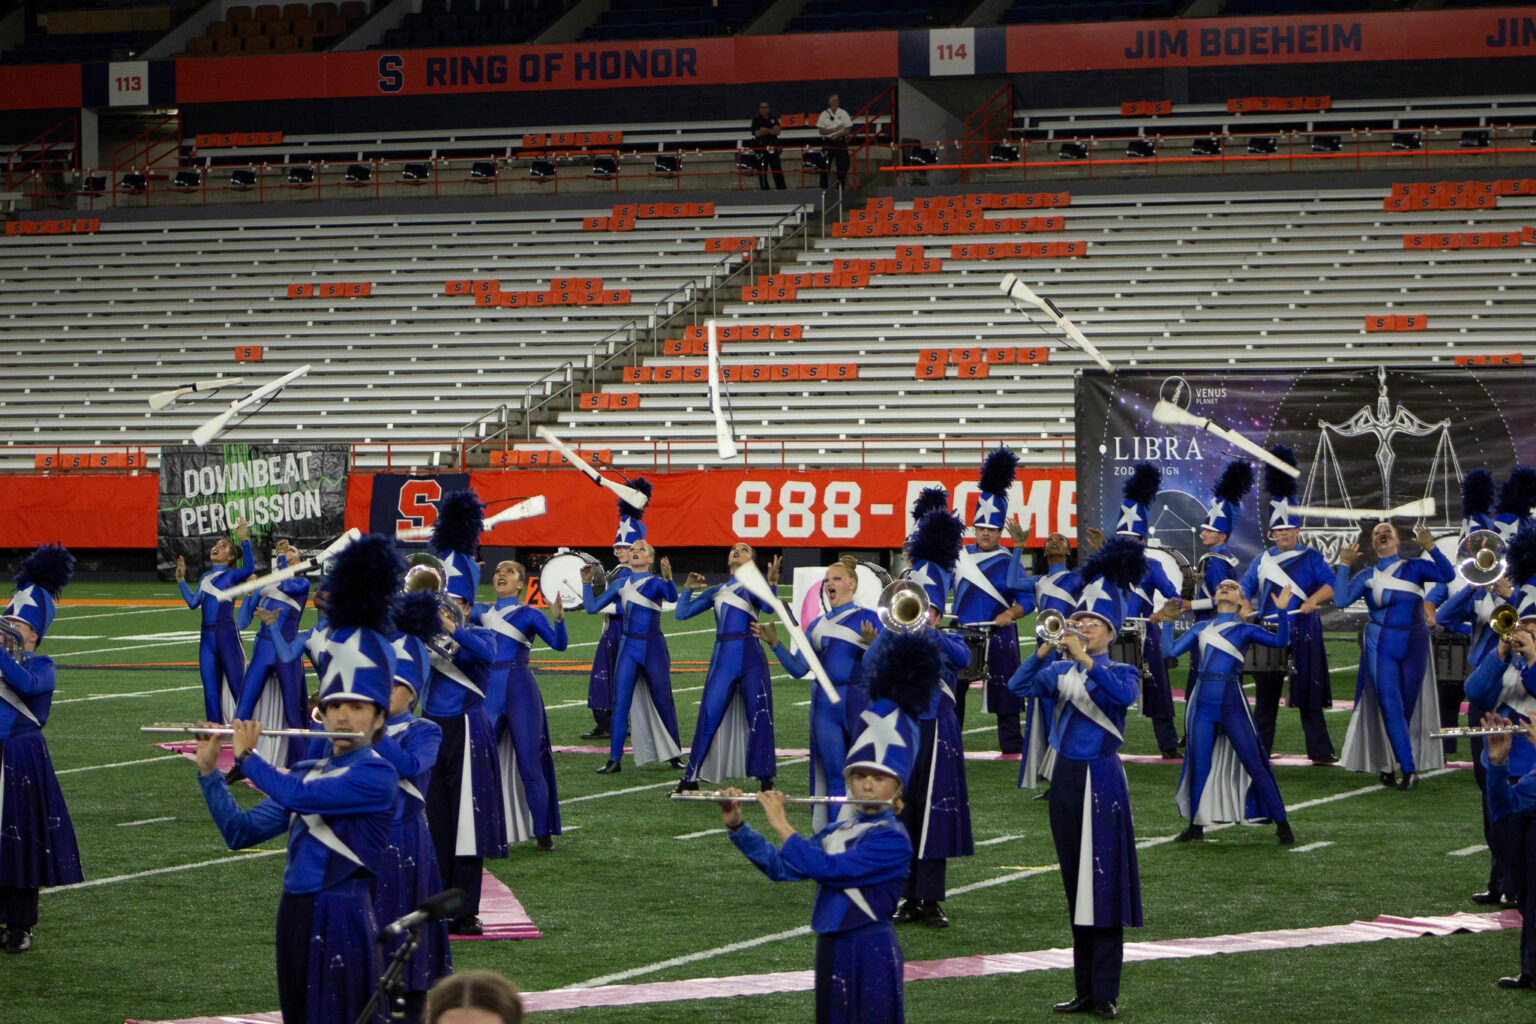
<point>765,136</point>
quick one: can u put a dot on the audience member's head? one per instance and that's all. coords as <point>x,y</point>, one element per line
<point>474,997</point>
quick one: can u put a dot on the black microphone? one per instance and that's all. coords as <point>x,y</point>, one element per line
<point>433,908</point>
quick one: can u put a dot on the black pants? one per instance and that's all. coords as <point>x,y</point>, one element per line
<point>442,800</point>
<point>925,881</point>
<point>18,908</point>
<point>295,921</point>
<point>839,156</point>
<point>1450,709</point>
<point>1514,843</point>
<point>769,160</point>
<point>1097,954</point>
<point>1267,687</point>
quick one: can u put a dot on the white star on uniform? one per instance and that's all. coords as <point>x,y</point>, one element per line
<point>625,530</point>
<point>1378,582</point>
<point>346,658</point>
<point>1214,511</point>
<point>986,508</point>
<point>880,732</point>
<point>450,569</point>
<point>1092,594</point>
<point>21,599</point>
<point>1280,511</point>
<point>920,576</point>
<point>402,647</point>
<point>1130,515</point>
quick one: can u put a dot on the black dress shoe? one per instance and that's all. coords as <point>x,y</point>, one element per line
<point>677,763</point>
<point>467,925</point>
<point>18,940</point>
<point>932,915</point>
<point>1077,1004</point>
<point>1171,754</point>
<point>684,786</point>
<point>1106,1009</point>
<point>611,768</point>
<point>597,734</point>
<point>1521,980</point>
<point>546,843</point>
<point>1192,834</point>
<point>1486,899</point>
<point>1509,901</point>
<point>1387,779</point>
<point>765,783</point>
<point>906,913</point>
<point>1408,781</point>
<point>1330,759</point>
<point>1284,834</point>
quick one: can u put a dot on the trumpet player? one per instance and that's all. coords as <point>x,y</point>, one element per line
<point>1217,715</point>
<point>1391,722</point>
<point>1056,592</point>
<point>1090,801</point>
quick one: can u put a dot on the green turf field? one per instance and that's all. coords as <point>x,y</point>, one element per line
<point>623,893</point>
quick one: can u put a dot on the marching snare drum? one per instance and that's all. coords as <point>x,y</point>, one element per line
<point>560,579</point>
<point>1451,651</point>
<point>1128,646</point>
<point>1259,658</point>
<point>978,638</point>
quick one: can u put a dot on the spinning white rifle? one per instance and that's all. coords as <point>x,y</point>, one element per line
<point>253,402</point>
<point>624,492</point>
<point>289,572</point>
<point>725,443</point>
<point>1023,296</point>
<point>1412,510</point>
<point>528,508</point>
<point>751,578</point>
<point>164,399</point>
<point>1168,413</point>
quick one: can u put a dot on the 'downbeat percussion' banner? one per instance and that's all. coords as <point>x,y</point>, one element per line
<point>281,490</point>
<point>1372,437</point>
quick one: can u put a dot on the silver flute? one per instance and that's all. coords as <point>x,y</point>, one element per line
<point>193,729</point>
<point>718,797</point>
<point>1476,730</point>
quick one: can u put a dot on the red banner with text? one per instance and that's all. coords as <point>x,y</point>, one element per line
<point>775,508</point>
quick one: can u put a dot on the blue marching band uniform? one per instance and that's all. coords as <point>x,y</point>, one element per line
<point>530,800</point>
<point>645,710</point>
<point>1142,598</point>
<point>734,736</point>
<point>1219,563</point>
<point>1306,572</point>
<point>604,659</point>
<point>1056,591</point>
<point>38,849</point>
<point>838,639</point>
<point>1090,801</point>
<point>220,657</point>
<point>1394,692</point>
<point>337,812</point>
<point>273,690</point>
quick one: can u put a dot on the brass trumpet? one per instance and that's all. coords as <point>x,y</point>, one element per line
<point>11,641</point>
<point>427,573</point>
<point>1051,626</point>
<point>1504,620</point>
<point>903,607</point>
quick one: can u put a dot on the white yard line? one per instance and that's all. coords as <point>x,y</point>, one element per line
<point>119,696</point>
<point>133,647</point>
<point>65,617</point>
<point>999,839</point>
<point>1468,851</point>
<point>698,835</point>
<point>143,821</point>
<point>679,961</point>
<point>120,764</point>
<point>93,883</point>
<point>1309,847</point>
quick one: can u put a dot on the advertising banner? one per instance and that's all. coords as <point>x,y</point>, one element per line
<point>280,490</point>
<point>1365,438</point>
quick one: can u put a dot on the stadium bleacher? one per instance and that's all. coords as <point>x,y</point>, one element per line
<point>472,23</point>
<point>638,19</point>
<point>1035,11</point>
<point>268,28</point>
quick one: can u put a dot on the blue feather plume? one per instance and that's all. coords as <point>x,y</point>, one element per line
<point>642,485</point>
<point>997,473</point>
<point>460,520</point>
<point>1144,483</point>
<point>1518,493</point>
<point>1520,556</point>
<point>904,668</point>
<point>416,614</point>
<point>1121,561</point>
<point>1477,489</point>
<point>1235,481</point>
<point>1280,484</point>
<point>364,580</point>
<point>937,539</point>
<point>51,566</point>
<point>929,499</point>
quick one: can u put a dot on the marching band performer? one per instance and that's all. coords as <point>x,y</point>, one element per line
<point>1219,562</point>
<point>982,595</point>
<point>336,810</point>
<point>1141,602</point>
<point>464,808</point>
<point>600,683</point>
<point>530,801</point>
<point>1517,501</point>
<point>1510,781</point>
<point>1213,787</point>
<point>1089,799</point>
<point>1290,563</point>
<point>859,861</point>
<point>220,657</point>
<point>734,734</point>
<point>409,874</point>
<point>938,805</point>
<point>37,836</point>
<point>1056,591</point>
<point>840,637</point>
<point>1389,721</point>
<point>273,690</point>
<point>646,711</point>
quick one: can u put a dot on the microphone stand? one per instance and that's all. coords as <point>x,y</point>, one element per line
<point>391,990</point>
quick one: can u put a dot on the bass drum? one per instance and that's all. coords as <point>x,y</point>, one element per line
<point>1180,573</point>
<point>873,579</point>
<point>560,579</point>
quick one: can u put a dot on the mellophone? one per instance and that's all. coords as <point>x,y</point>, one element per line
<point>193,729</point>
<point>718,797</point>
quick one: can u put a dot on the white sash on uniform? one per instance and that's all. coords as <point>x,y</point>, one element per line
<point>316,825</point>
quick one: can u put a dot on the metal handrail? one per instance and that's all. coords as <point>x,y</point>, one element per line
<point>550,394</point>
<point>503,411</point>
<point>614,353</point>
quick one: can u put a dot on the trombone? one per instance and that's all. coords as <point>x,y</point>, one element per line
<point>1051,626</point>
